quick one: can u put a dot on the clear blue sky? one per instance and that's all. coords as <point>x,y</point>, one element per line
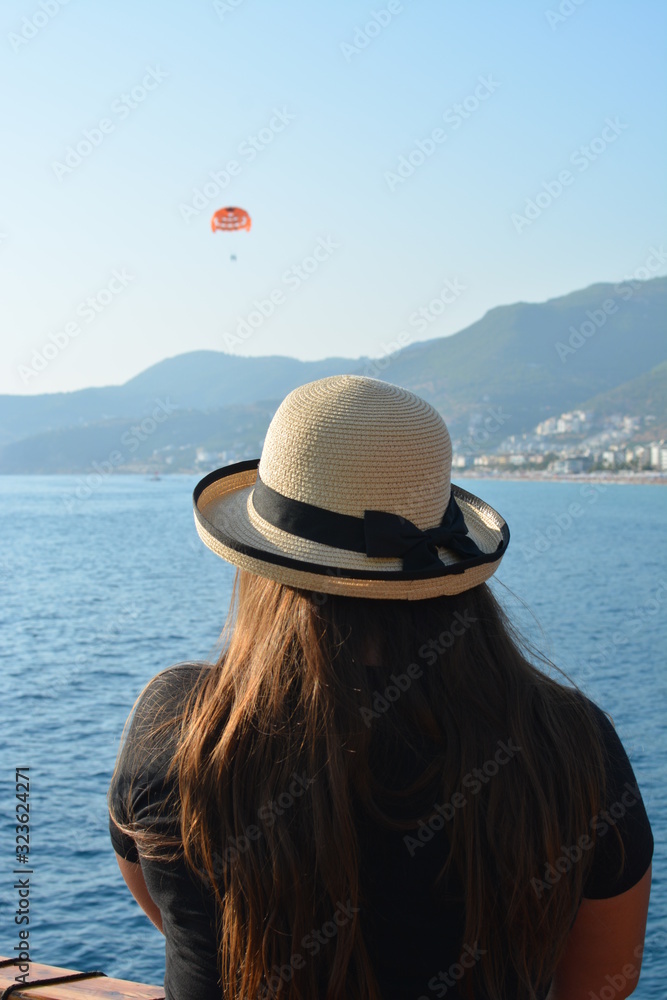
<point>347,113</point>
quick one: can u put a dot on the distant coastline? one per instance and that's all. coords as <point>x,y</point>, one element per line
<point>647,478</point>
<point>626,478</point>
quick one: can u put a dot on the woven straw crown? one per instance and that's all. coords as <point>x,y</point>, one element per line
<point>352,444</point>
<point>336,450</point>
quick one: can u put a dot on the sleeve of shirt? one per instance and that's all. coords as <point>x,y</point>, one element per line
<point>142,789</point>
<point>623,810</point>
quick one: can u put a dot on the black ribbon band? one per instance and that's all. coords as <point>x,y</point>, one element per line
<point>377,533</point>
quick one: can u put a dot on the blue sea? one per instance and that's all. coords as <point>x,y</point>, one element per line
<point>104,583</point>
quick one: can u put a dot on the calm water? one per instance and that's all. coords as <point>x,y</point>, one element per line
<point>99,593</point>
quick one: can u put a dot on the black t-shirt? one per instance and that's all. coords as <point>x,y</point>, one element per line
<point>413,936</point>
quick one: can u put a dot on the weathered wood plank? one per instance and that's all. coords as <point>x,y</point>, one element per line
<point>85,989</point>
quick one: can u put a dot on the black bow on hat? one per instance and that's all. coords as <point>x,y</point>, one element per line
<point>390,535</point>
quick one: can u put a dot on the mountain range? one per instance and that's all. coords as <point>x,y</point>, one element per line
<point>602,349</point>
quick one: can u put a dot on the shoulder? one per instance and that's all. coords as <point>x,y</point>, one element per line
<point>577,712</point>
<point>623,835</point>
<point>616,756</point>
<point>176,681</point>
<point>152,729</point>
<point>165,696</point>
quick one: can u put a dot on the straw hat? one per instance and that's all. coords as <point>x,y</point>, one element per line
<point>352,496</point>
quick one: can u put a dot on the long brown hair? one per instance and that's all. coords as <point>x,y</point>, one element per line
<point>287,738</point>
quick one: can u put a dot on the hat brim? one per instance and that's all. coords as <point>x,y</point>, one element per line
<point>228,525</point>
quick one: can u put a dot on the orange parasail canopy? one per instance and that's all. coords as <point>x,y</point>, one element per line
<point>230,219</point>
